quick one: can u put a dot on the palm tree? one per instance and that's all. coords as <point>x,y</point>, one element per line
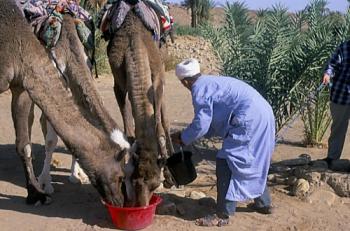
<point>200,10</point>
<point>92,4</point>
<point>281,55</point>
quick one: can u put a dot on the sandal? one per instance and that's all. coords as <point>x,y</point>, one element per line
<point>212,220</point>
<point>263,210</point>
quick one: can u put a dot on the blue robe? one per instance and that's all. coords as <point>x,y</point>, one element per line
<point>230,108</point>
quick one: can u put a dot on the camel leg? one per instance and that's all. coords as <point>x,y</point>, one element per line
<point>51,140</point>
<point>123,102</point>
<point>168,179</point>
<point>158,70</point>
<point>165,123</point>
<point>77,173</point>
<point>158,99</point>
<point>22,109</point>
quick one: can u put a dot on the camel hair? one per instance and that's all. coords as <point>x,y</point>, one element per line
<point>26,69</point>
<point>138,71</point>
<point>69,56</point>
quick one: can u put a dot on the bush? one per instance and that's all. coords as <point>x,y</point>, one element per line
<point>187,30</point>
<point>101,55</point>
<point>316,118</point>
<point>279,54</point>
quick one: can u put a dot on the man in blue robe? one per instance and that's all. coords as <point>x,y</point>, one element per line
<point>231,109</point>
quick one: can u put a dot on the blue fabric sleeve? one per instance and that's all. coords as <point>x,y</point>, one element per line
<point>203,113</point>
<point>334,63</point>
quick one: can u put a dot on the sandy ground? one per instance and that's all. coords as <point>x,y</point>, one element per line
<point>77,207</point>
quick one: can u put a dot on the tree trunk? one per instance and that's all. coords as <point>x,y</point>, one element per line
<point>193,16</point>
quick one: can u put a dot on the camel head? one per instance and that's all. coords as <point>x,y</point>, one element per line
<point>113,170</point>
<point>109,177</point>
<point>145,177</point>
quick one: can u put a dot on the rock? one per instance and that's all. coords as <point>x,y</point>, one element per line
<point>312,177</point>
<point>199,48</point>
<point>197,195</point>
<point>179,193</point>
<point>322,196</point>
<point>207,201</point>
<point>166,208</point>
<point>300,188</point>
<point>56,163</point>
<point>340,184</point>
<point>271,177</point>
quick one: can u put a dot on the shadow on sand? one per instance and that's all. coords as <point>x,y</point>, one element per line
<point>71,201</point>
<point>82,201</point>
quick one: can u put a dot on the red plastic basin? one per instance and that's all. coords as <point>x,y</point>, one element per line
<point>134,218</point>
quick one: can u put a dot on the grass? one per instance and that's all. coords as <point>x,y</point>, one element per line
<point>187,30</point>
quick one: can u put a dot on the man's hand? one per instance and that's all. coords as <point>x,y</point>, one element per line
<point>176,138</point>
<point>326,79</point>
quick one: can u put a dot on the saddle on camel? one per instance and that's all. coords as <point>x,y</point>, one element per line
<point>46,16</point>
<point>153,13</point>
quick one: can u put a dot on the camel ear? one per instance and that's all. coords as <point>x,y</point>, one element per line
<point>118,137</point>
<point>121,155</point>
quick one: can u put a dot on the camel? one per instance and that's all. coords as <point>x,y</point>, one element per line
<point>26,69</point>
<point>138,71</point>
<point>70,58</point>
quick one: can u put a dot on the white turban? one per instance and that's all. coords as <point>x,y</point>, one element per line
<point>187,68</point>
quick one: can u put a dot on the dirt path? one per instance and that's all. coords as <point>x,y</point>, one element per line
<point>77,207</point>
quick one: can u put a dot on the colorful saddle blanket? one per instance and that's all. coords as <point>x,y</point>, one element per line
<point>154,15</point>
<point>45,16</point>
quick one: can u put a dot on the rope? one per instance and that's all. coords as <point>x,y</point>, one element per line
<point>53,57</point>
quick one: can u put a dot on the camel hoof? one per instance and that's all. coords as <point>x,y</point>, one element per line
<point>36,198</point>
<point>45,183</point>
<point>74,179</point>
<point>79,179</point>
<point>46,201</point>
<point>48,188</point>
<point>85,180</point>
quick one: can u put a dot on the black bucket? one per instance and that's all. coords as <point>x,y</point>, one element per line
<point>181,167</point>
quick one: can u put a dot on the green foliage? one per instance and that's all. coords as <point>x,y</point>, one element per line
<point>281,55</point>
<point>200,10</point>
<point>101,55</point>
<point>187,30</point>
<point>316,118</point>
